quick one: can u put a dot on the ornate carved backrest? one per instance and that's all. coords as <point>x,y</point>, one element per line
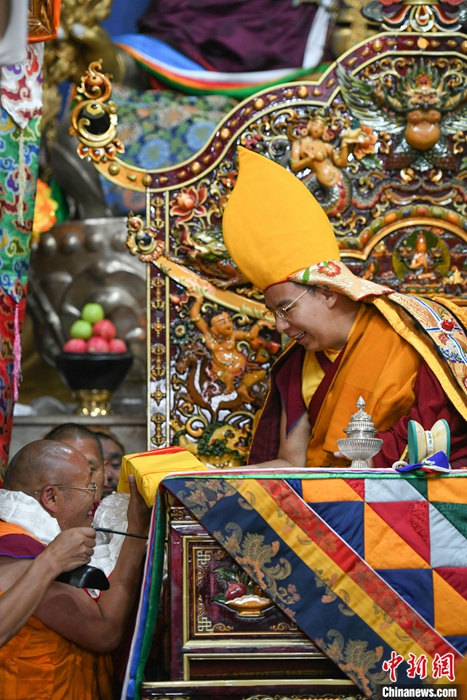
<point>380,141</point>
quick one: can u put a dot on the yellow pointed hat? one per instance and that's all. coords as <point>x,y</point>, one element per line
<point>273,226</point>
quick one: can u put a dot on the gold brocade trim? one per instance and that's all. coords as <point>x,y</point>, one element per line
<point>405,327</point>
<point>455,309</point>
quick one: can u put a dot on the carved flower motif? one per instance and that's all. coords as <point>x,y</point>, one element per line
<point>189,203</point>
<point>365,143</point>
<point>101,152</point>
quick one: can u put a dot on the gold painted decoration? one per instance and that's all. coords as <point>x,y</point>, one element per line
<point>421,16</point>
<point>93,119</point>
<point>379,141</point>
<point>143,240</point>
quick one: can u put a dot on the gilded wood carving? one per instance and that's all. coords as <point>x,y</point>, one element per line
<point>381,143</point>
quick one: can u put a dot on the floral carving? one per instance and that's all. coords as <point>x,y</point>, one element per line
<point>189,203</point>
<point>261,563</point>
<point>365,143</point>
<point>240,593</point>
<point>229,179</point>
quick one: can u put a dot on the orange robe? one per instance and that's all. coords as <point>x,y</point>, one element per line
<point>38,663</point>
<point>377,363</point>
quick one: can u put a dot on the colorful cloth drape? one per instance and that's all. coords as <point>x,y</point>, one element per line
<point>181,73</point>
<point>371,566</point>
<point>20,125</point>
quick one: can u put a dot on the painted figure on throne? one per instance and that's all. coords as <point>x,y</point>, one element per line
<point>228,363</point>
<point>313,149</point>
<point>422,260</point>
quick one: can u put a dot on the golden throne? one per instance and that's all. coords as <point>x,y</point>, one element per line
<point>380,140</point>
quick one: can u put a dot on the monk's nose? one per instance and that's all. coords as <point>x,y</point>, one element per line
<point>282,324</point>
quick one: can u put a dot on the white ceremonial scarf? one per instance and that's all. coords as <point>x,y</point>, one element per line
<point>20,509</point>
<point>111,513</point>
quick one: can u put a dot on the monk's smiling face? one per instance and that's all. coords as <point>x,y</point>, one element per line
<point>319,320</point>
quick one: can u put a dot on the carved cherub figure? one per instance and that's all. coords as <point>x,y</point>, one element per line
<point>325,152</point>
<point>221,338</point>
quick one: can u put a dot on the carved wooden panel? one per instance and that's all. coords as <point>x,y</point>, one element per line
<point>221,627</point>
<point>380,141</point>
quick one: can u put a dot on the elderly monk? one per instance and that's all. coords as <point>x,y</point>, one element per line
<point>406,356</point>
<point>70,549</point>
<point>85,441</point>
<point>62,650</point>
<point>110,513</point>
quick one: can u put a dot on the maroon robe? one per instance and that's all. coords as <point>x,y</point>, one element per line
<point>234,35</point>
<point>431,404</point>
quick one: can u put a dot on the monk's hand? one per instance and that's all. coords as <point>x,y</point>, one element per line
<point>71,548</point>
<point>139,514</point>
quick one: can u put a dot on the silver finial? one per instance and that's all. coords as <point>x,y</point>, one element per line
<point>360,443</point>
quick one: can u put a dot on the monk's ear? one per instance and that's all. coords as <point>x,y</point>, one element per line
<point>48,498</point>
<point>330,297</point>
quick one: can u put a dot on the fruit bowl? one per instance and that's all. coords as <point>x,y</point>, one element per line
<point>92,378</point>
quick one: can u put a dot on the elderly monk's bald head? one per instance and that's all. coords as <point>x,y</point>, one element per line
<point>40,463</point>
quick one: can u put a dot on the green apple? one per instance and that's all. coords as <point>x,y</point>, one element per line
<point>81,329</point>
<point>92,313</point>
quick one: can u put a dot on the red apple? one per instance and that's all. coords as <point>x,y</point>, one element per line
<point>75,345</point>
<point>117,345</point>
<point>97,344</point>
<point>105,329</point>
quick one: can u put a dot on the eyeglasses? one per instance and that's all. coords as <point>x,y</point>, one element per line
<point>92,488</point>
<point>283,313</point>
